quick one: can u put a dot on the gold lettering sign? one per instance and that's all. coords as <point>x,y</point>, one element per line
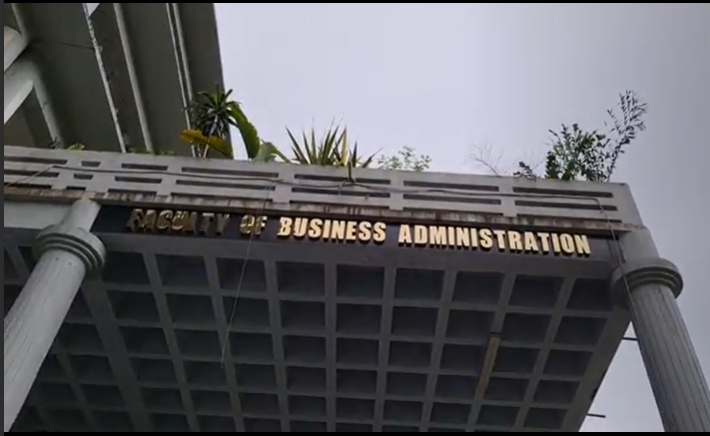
<point>181,222</point>
<point>317,229</point>
<point>169,221</point>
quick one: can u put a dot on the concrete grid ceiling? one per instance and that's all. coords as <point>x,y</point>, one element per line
<point>319,343</point>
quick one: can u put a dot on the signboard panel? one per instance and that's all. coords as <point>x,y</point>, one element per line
<point>317,230</point>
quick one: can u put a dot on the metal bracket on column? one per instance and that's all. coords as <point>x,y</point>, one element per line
<point>636,273</point>
<point>79,242</point>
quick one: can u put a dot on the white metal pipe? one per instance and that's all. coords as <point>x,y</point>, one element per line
<point>180,33</point>
<point>104,79</point>
<point>180,54</point>
<point>133,77</point>
<point>20,79</point>
<point>14,45</point>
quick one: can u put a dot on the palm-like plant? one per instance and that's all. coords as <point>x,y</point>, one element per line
<point>332,150</point>
<point>212,115</point>
<point>210,119</point>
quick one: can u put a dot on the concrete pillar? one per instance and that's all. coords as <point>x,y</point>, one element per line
<point>648,286</point>
<point>66,253</point>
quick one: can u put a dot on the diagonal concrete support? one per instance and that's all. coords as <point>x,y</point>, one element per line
<point>14,45</point>
<point>20,79</point>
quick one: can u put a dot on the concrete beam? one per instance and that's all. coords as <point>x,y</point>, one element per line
<point>14,45</point>
<point>33,216</point>
<point>20,80</point>
<point>67,58</point>
<point>91,7</point>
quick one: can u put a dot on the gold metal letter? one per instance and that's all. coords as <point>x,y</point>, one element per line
<point>135,220</point>
<point>515,240</point>
<point>261,224</point>
<point>351,231</point>
<point>474,238</point>
<point>222,222</point>
<point>300,227</point>
<point>338,231</point>
<point>327,225</point>
<point>316,229</point>
<point>207,220</point>
<point>531,245</point>
<point>246,227</point>
<point>364,233</point>
<point>164,220</point>
<point>451,236</point>
<point>556,243</point>
<point>500,236</point>
<point>191,223</point>
<point>567,242</point>
<point>285,227</point>
<point>545,240</point>
<point>437,236</point>
<point>405,235</point>
<point>380,233</point>
<point>149,220</point>
<point>486,236</point>
<point>420,236</point>
<point>463,238</point>
<point>582,243</point>
<point>179,220</point>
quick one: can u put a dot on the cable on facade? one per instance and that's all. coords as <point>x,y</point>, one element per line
<point>30,177</point>
<point>247,258</point>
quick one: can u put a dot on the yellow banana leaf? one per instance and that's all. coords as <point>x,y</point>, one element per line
<point>213,142</point>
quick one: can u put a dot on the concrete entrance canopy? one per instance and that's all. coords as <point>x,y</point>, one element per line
<point>198,322</point>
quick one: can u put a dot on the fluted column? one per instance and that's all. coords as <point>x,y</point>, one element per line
<point>648,286</point>
<point>66,253</point>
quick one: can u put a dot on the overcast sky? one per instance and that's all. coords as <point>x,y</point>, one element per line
<point>443,78</point>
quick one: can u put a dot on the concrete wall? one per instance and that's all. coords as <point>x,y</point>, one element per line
<point>44,175</point>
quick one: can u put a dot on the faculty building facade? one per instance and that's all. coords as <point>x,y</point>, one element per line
<point>169,293</point>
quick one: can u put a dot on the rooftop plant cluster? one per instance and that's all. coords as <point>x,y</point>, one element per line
<point>574,153</point>
<point>592,155</point>
<point>214,114</point>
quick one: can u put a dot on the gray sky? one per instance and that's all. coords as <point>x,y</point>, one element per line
<point>442,78</point>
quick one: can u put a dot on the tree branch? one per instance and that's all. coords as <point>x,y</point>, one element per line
<point>483,156</point>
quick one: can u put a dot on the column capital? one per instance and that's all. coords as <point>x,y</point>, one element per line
<point>77,241</point>
<point>638,272</point>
